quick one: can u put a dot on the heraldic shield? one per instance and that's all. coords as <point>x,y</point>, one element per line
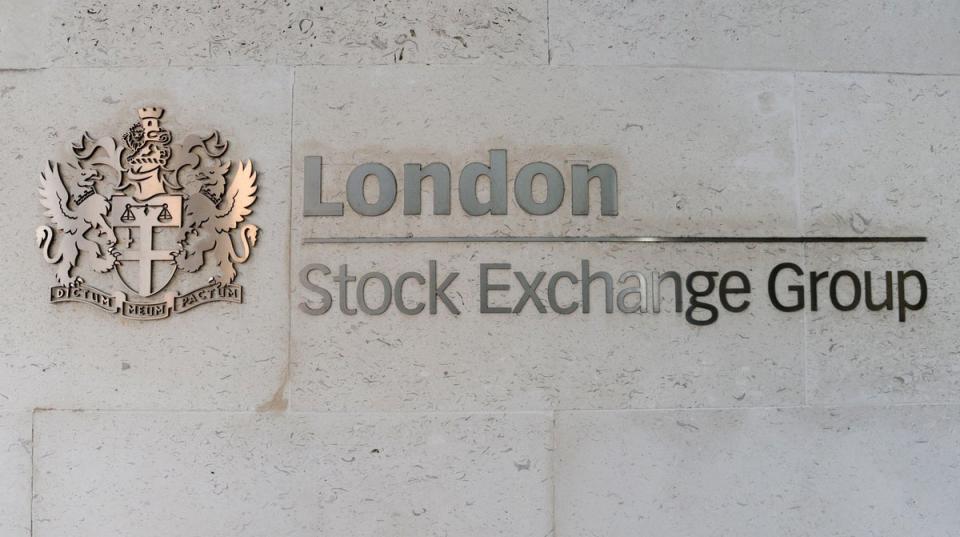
<point>147,234</point>
<point>144,211</point>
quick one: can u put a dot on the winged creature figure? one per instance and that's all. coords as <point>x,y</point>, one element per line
<point>78,218</point>
<point>212,210</point>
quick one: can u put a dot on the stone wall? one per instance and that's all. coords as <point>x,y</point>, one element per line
<point>737,118</point>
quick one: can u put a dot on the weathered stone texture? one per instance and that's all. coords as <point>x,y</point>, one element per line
<point>880,156</point>
<point>215,32</point>
<point>759,472</point>
<point>915,36</point>
<point>241,474</point>
<point>16,452</point>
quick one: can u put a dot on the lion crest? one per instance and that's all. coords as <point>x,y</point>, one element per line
<point>144,208</point>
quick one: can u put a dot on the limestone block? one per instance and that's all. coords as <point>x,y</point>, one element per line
<point>246,474</point>
<point>15,466</point>
<point>298,32</point>
<point>219,356</point>
<point>879,156</point>
<point>863,35</point>
<point>23,35</point>
<point>758,472</point>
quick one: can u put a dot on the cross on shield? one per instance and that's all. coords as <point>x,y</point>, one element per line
<point>146,235</point>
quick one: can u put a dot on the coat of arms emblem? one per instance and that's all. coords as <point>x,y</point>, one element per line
<point>142,209</point>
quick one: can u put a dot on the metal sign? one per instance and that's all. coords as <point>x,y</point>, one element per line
<point>142,210</point>
<point>566,291</point>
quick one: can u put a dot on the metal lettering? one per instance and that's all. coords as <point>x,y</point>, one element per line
<point>582,175</point>
<point>640,289</point>
<point>496,172</point>
<point>902,304</point>
<point>326,301</point>
<point>530,292</point>
<point>552,293</point>
<point>868,292</point>
<point>439,291</point>
<point>815,278</point>
<point>486,287</point>
<point>523,188</point>
<point>386,185</point>
<point>413,176</point>
<point>835,283</point>
<point>313,204</point>
<point>586,279</point>
<point>695,296</point>
<point>797,290</point>
<point>344,279</point>
<point>677,290</point>
<point>726,290</point>
<point>362,293</point>
<point>398,293</point>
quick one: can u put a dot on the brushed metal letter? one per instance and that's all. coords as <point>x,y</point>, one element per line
<point>552,293</point>
<point>343,278</point>
<point>398,293</point>
<point>325,299</point>
<point>486,287</point>
<point>440,291</point>
<point>582,175</point>
<point>523,188</point>
<point>313,204</point>
<point>413,176</point>
<point>497,173</point>
<point>640,289</point>
<point>362,293</point>
<point>586,279</point>
<point>835,284</point>
<point>530,292</point>
<point>868,292</point>
<point>797,290</point>
<point>726,290</point>
<point>386,185</point>
<point>658,289</point>
<point>902,304</point>
<point>695,303</point>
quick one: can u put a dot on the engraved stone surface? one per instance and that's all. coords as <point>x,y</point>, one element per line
<point>220,356</point>
<point>242,474</point>
<point>864,35</point>
<point>759,472</point>
<point>15,469</point>
<point>211,32</point>
<point>879,156</point>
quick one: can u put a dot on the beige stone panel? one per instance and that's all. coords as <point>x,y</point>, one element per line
<point>879,156</point>
<point>531,360</point>
<point>697,152</point>
<point>245,474</point>
<point>23,42</point>
<point>864,35</point>
<point>218,356</point>
<point>759,472</point>
<point>870,357</point>
<point>16,451</point>
<point>211,32</point>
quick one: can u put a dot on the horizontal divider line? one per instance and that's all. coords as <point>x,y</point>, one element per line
<point>607,239</point>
